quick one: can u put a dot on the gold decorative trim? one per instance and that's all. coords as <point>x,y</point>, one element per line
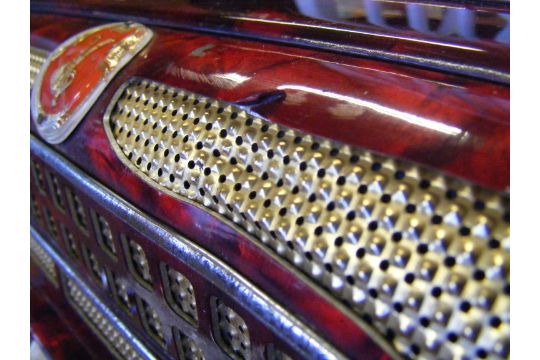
<point>44,261</point>
<point>423,257</point>
<point>98,321</point>
<point>37,59</point>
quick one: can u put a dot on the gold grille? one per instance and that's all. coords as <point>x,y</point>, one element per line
<point>37,59</point>
<point>100,322</point>
<point>44,261</point>
<point>422,257</point>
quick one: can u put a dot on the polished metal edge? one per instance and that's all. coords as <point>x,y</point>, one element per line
<point>67,271</point>
<point>415,60</point>
<point>283,324</point>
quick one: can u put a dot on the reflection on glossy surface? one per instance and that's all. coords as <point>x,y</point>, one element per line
<point>223,81</point>
<point>467,37</point>
<point>357,32</point>
<point>384,110</point>
<point>455,124</point>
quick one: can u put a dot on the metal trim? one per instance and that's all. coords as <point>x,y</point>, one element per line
<point>243,169</point>
<point>67,271</point>
<point>291,330</point>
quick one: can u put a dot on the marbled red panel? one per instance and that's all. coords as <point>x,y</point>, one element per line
<point>318,26</point>
<point>457,125</point>
<point>454,124</point>
<point>357,345</point>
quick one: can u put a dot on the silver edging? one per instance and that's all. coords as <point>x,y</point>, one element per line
<point>105,311</point>
<point>283,324</point>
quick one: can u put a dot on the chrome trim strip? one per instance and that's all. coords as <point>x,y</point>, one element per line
<point>69,272</point>
<point>291,330</point>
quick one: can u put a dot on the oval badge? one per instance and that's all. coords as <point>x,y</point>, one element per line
<point>77,72</point>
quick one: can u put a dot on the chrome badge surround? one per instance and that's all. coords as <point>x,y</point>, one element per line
<point>56,127</point>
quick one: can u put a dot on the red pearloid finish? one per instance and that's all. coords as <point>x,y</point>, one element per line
<point>66,98</point>
<point>457,125</point>
<point>467,37</point>
<point>203,290</point>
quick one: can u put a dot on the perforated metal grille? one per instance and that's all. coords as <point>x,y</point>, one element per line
<point>77,211</point>
<point>93,265</point>
<point>138,264</point>
<point>103,325</point>
<point>70,242</point>
<point>187,349</point>
<point>422,257</point>
<point>44,261</point>
<point>151,321</point>
<point>37,59</point>
<point>230,330</point>
<point>104,234</point>
<point>179,293</point>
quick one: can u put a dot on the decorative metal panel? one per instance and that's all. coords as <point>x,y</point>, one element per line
<point>44,261</point>
<point>421,256</point>
<point>172,316</point>
<point>84,305</point>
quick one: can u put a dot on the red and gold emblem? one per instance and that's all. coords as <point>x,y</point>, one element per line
<point>76,73</point>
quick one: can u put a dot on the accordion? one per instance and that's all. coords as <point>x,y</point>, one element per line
<point>246,184</point>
